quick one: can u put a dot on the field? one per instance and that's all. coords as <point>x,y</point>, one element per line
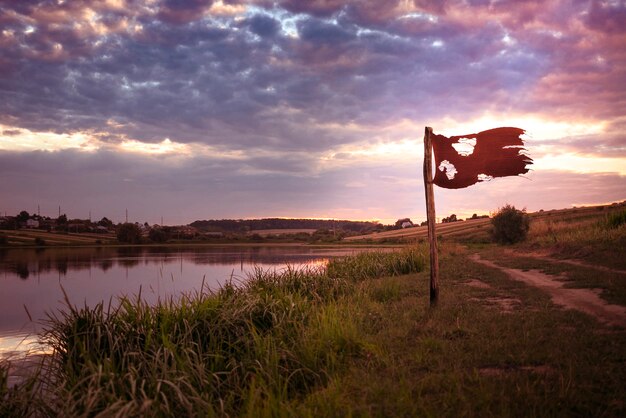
<point>478,229</point>
<point>27,237</point>
<point>270,232</point>
<point>531,329</point>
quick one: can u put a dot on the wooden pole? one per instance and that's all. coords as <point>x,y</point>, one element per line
<point>430,216</point>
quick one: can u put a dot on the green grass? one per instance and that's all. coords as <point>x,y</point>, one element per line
<point>278,336</point>
<point>355,339</point>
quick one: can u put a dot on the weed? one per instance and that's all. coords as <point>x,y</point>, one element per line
<point>616,219</point>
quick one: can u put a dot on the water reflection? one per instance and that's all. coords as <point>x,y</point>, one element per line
<point>35,283</point>
<point>25,263</point>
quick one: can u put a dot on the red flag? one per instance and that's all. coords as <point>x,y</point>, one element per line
<point>464,160</point>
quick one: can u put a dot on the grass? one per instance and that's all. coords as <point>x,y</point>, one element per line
<point>277,337</point>
<point>598,239</point>
<point>354,339</point>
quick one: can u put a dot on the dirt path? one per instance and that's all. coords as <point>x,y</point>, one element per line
<point>585,300</point>
<point>578,263</point>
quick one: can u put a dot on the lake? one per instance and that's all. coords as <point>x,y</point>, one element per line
<point>33,282</point>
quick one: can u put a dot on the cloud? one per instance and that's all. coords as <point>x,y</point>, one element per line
<point>284,85</point>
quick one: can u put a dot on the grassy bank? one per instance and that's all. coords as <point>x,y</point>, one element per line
<point>357,338</point>
<point>259,345</point>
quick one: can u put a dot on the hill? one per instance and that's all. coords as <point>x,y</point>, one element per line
<point>247,225</point>
<point>476,230</point>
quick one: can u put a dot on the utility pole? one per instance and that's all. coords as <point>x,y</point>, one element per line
<point>59,211</point>
<point>430,215</point>
<point>126,215</point>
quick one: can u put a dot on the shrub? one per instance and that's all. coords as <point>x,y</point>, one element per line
<point>510,225</point>
<point>616,219</point>
<point>129,233</point>
<point>158,235</point>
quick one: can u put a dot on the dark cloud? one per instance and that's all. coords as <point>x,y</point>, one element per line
<point>182,11</point>
<point>292,78</point>
<point>185,72</point>
<point>605,16</point>
<point>263,25</point>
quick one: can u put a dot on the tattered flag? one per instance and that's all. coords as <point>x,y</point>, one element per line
<point>464,160</point>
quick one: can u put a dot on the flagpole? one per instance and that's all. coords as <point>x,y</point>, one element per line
<point>430,216</point>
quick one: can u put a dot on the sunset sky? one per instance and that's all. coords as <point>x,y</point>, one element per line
<point>231,109</point>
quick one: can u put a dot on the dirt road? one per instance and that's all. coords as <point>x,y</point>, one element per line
<point>585,300</point>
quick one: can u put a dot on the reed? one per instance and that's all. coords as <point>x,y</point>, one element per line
<point>250,346</point>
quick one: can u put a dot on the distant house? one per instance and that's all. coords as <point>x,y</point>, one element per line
<point>32,223</point>
<point>404,223</point>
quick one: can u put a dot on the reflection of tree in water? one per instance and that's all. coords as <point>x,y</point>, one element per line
<point>21,269</point>
<point>24,263</point>
<point>105,264</point>
<point>129,252</point>
<point>61,266</point>
<point>128,262</point>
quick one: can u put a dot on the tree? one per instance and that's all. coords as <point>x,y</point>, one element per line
<point>105,222</point>
<point>451,218</point>
<point>62,220</point>
<point>158,235</point>
<point>23,217</point>
<point>129,233</point>
<point>510,225</point>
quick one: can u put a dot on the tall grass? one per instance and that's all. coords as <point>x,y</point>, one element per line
<point>369,265</point>
<point>600,238</point>
<point>251,347</point>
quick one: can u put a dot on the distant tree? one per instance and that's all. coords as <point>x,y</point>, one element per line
<point>510,225</point>
<point>62,220</point>
<point>158,235</point>
<point>474,216</point>
<point>451,218</point>
<point>105,222</point>
<point>425,223</point>
<point>129,233</point>
<point>22,217</point>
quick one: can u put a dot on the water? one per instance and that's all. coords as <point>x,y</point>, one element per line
<point>33,282</point>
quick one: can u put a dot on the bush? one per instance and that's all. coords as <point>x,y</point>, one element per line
<point>616,219</point>
<point>129,233</point>
<point>510,225</point>
<point>158,235</point>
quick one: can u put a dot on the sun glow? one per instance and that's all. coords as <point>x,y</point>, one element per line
<point>580,163</point>
<point>17,139</point>
<point>164,147</point>
<point>536,128</point>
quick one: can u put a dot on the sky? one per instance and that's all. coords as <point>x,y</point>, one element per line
<point>205,109</point>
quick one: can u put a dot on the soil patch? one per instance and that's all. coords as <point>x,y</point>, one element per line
<point>577,263</point>
<point>585,300</point>
<point>506,305</point>
<point>477,283</point>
